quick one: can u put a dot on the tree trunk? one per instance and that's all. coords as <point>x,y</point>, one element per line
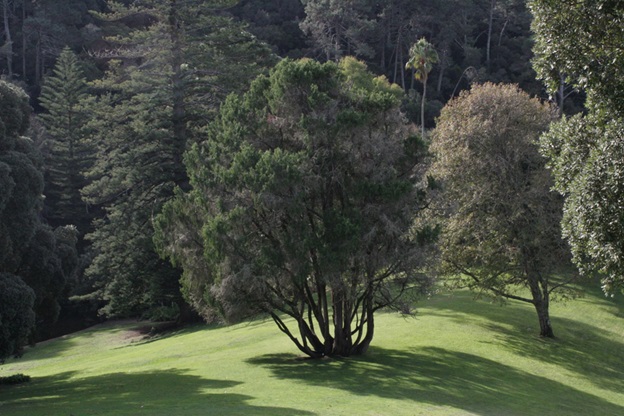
<point>37,61</point>
<point>382,46</point>
<point>8,40</point>
<point>396,58</point>
<point>422,107</point>
<point>178,84</point>
<point>23,43</point>
<point>441,74</point>
<point>544,319</point>
<point>489,36</point>
<point>362,347</point>
<point>342,334</point>
<point>541,301</point>
<point>402,67</point>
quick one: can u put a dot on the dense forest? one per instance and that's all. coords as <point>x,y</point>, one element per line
<point>127,147</point>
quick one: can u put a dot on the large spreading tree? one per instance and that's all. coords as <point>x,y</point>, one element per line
<point>581,43</point>
<point>500,230</point>
<point>303,197</point>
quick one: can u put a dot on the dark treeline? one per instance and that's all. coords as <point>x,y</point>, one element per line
<point>121,90</point>
<point>477,40</point>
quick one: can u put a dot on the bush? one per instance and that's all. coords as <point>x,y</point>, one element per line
<point>15,379</point>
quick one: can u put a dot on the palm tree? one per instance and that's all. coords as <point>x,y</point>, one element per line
<point>422,57</point>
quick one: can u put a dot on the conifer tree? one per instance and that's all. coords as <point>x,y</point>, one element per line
<point>68,155</point>
<point>167,72</point>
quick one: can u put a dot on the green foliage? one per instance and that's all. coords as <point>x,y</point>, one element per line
<point>172,64</point>
<point>583,42</point>
<point>48,267</point>
<point>422,56</point>
<point>21,184</point>
<point>302,202</point>
<point>28,248</point>
<point>276,23</point>
<point>585,155</point>
<point>15,379</point>
<point>501,228</point>
<point>21,181</point>
<point>17,318</point>
<point>339,28</point>
<point>15,115</point>
<point>68,154</point>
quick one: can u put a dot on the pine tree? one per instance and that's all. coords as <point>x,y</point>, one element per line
<point>68,157</point>
<point>167,73</point>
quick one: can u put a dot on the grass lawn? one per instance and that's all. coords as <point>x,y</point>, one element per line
<point>456,356</point>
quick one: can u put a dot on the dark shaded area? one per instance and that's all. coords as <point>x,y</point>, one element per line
<point>443,378</point>
<point>171,392</point>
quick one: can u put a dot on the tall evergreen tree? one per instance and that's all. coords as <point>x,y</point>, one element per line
<point>167,72</point>
<point>68,156</point>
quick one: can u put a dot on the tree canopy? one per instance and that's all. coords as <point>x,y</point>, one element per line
<point>32,269</point>
<point>17,318</point>
<point>501,221</point>
<point>582,41</point>
<point>168,68</point>
<point>302,201</point>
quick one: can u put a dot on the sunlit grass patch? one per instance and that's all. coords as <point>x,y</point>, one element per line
<point>455,356</point>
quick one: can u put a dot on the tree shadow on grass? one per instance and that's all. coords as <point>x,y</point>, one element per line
<point>153,336</point>
<point>437,376</point>
<point>590,352</point>
<point>167,392</point>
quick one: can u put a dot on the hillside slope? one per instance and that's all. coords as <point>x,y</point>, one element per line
<point>456,356</point>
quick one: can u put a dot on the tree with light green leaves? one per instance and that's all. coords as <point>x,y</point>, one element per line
<point>581,41</point>
<point>422,57</point>
<point>303,197</point>
<point>500,221</point>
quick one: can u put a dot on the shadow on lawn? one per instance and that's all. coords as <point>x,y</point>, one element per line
<point>441,377</point>
<point>590,352</point>
<point>167,392</point>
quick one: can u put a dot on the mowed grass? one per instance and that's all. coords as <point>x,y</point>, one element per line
<point>456,356</point>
